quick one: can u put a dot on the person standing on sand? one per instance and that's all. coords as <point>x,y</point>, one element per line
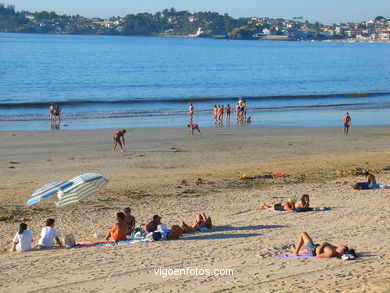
<point>117,139</point>
<point>191,111</point>
<point>347,123</point>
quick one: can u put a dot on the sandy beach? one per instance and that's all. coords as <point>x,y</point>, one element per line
<point>168,172</point>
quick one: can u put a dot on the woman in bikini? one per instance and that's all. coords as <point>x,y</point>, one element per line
<point>202,221</point>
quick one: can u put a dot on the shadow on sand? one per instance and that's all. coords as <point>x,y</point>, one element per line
<point>246,228</point>
<point>216,235</point>
<point>199,236</point>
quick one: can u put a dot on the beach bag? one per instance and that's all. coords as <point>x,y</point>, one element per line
<point>140,232</point>
<point>69,241</point>
<point>157,236</point>
<point>175,233</point>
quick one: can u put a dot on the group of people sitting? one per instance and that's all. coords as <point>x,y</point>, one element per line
<point>23,239</point>
<point>125,225</point>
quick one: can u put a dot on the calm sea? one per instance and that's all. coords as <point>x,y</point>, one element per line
<point>126,82</point>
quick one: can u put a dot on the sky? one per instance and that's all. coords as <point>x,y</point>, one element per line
<point>324,11</point>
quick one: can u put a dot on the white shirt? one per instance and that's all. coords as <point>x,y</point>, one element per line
<point>47,235</point>
<point>23,241</point>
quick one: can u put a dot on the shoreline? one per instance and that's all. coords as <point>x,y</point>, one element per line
<point>218,153</point>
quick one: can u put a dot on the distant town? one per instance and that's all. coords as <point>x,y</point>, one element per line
<point>172,23</point>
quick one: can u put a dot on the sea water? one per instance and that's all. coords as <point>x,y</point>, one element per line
<point>127,82</point>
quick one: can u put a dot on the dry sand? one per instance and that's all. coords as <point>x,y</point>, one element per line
<point>159,173</point>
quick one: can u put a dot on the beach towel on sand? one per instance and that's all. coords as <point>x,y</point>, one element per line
<point>302,210</point>
<point>112,243</point>
<point>301,255</point>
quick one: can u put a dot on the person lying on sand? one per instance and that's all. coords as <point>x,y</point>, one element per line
<point>116,139</point>
<point>22,239</point>
<point>202,221</point>
<point>303,203</point>
<point>153,225</point>
<point>325,250</point>
<point>49,233</point>
<point>285,206</point>
<point>119,230</point>
<point>130,220</point>
<point>192,127</point>
<point>289,205</point>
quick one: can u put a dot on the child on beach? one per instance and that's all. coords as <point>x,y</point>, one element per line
<point>119,230</point>
<point>22,239</point>
<point>49,233</point>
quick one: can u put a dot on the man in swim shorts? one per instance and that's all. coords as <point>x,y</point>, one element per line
<point>325,250</point>
<point>193,126</point>
<point>347,123</point>
<point>116,139</point>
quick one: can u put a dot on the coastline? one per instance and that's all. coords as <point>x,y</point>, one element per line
<point>275,39</point>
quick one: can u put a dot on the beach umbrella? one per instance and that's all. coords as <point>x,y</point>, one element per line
<point>83,186</point>
<point>48,190</point>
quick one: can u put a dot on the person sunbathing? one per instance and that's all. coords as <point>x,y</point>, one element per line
<point>130,220</point>
<point>289,205</point>
<point>303,203</point>
<point>202,221</point>
<point>325,250</point>
<point>119,230</point>
<point>285,206</point>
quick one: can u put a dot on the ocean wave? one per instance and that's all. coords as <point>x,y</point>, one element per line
<point>75,102</point>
